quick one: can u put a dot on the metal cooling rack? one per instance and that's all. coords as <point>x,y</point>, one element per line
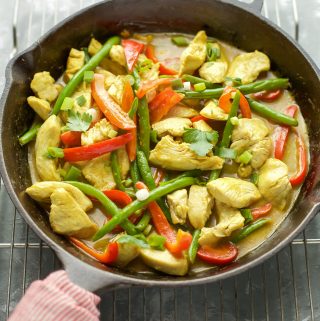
<point>286,287</point>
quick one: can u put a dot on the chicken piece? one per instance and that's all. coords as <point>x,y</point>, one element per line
<point>244,171</point>
<point>202,125</point>
<point>41,192</point>
<point>194,55</point>
<point>102,130</point>
<point>123,161</point>
<point>40,106</point>
<point>200,203</point>
<point>181,111</point>
<point>98,173</point>
<point>127,252</point>
<point>234,192</point>
<point>109,78</point>
<point>113,67</point>
<point>247,66</point>
<point>44,87</point>
<point>212,111</point>
<point>117,55</point>
<point>178,156</point>
<point>48,136</point>
<point>74,63</point>
<point>228,219</point>
<point>68,218</point>
<point>215,71</point>
<point>252,135</point>
<point>178,207</point>
<point>147,74</point>
<point>164,261</point>
<point>274,184</point>
<point>174,126</point>
<point>94,46</point>
<point>117,88</point>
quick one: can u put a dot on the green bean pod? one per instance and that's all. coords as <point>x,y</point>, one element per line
<point>144,126</point>
<point>134,173</point>
<point>143,223</point>
<point>192,252</point>
<point>116,171</point>
<point>30,134</point>
<point>145,170</point>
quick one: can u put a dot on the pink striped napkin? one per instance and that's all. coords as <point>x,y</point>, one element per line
<point>56,299</point>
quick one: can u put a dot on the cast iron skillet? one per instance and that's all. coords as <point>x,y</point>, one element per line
<point>242,26</point>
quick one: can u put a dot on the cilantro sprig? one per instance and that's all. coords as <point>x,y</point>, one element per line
<point>78,122</point>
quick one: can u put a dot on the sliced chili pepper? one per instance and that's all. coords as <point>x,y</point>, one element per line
<point>197,118</point>
<point>162,68</point>
<point>162,103</point>
<point>268,95</point>
<point>76,154</point>
<point>127,97</point>
<point>261,211</point>
<point>147,86</point>
<point>107,257</point>
<point>220,255</point>
<point>108,106</point>
<point>303,163</point>
<point>132,49</point>
<point>71,138</point>
<point>225,102</point>
<point>282,133</point>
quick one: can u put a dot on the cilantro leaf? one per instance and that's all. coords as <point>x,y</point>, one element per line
<point>201,142</point>
<point>77,121</point>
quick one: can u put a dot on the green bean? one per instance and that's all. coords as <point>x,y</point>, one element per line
<point>134,107</point>
<point>68,90</point>
<point>108,205</point>
<point>214,174</point>
<point>137,79</point>
<point>257,86</point>
<point>136,205</point>
<point>144,126</point>
<point>145,170</point>
<point>191,173</point>
<point>134,172</point>
<point>246,213</point>
<point>143,223</point>
<point>86,54</point>
<point>116,172</point>
<point>271,114</point>
<point>249,229</point>
<point>197,80</point>
<point>30,134</point>
<point>192,252</point>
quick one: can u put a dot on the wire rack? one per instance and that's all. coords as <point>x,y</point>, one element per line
<point>286,287</point>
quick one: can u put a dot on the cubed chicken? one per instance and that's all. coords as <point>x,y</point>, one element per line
<point>94,46</point>
<point>117,88</point>
<point>181,111</point>
<point>98,173</point>
<point>123,161</point>
<point>252,135</point>
<point>174,126</point>
<point>109,78</point>
<point>200,203</point>
<point>48,136</point>
<point>215,71</point>
<point>164,261</point>
<point>178,156</point>
<point>234,192</point>
<point>248,66</point>
<point>102,130</point>
<point>74,63</point>
<point>228,220</point>
<point>40,106</point>
<point>202,125</point>
<point>44,87</point>
<point>273,183</point>
<point>41,192</point>
<point>117,55</point>
<point>212,111</point>
<point>68,218</point>
<point>178,206</point>
<point>194,55</point>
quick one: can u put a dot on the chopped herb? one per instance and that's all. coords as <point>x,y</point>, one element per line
<point>213,53</point>
<point>201,142</point>
<point>55,152</point>
<point>81,100</point>
<point>244,158</point>
<point>224,152</point>
<point>200,87</point>
<point>88,76</point>
<point>180,41</point>
<point>154,136</point>
<point>67,103</point>
<point>138,240</point>
<point>233,81</point>
<point>156,241</point>
<point>78,122</point>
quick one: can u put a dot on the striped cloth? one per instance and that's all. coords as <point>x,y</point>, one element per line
<point>56,299</point>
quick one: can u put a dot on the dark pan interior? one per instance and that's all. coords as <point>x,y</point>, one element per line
<point>224,21</point>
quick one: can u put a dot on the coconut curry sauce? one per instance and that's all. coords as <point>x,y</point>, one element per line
<point>160,117</point>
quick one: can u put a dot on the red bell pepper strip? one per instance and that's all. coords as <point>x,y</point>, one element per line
<point>121,198</point>
<point>176,243</point>
<point>82,153</point>
<point>218,255</point>
<point>303,163</point>
<point>71,138</point>
<point>225,102</point>
<point>108,106</point>
<point>162,68</point>
<point>261,211</point>
<point>268,95</point>
<point>197,118</point>
<point>147,86</point>
<point>282,133</point>
<point>107,257</point>
<point>132,49</point>
<point>162,103</point>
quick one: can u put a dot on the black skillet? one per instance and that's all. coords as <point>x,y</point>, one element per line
<point>239,24</point>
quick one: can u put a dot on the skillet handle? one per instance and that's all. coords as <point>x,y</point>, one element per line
<point>254,6</point>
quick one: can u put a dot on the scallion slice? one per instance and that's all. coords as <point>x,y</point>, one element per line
<point>67,103</point>
<point>224,152</point>
<point>180,41</point>
<point>200,87</point>
<point>81,100</point>
<point>244,158</point>
<point>55,152</point>
<point>88,76</point>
